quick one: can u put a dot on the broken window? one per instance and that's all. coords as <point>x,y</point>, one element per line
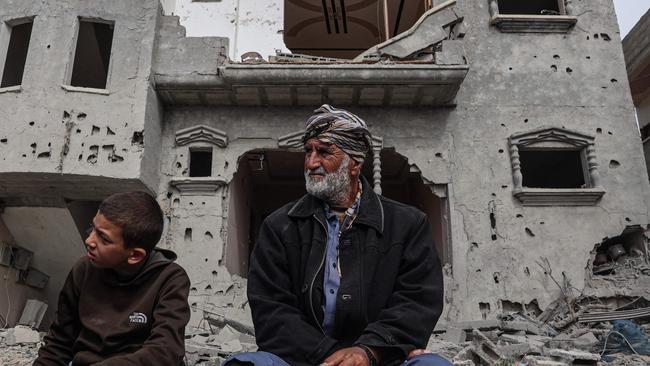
<point>346,28</point>
<point>14,63</point>
<point>531,7</point>
<point>281,172</point>
<point>532,16</point>
<point>552,168</point>
<point>92,54</point>
<point>200,163</point>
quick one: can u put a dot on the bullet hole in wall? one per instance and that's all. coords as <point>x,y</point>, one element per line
<point>569,70</point>
<point>169,195</point>
<point>554,68</point>
<point>503,125</point>
<point>605,37</point>
<point>66,115</point>
<point>214,273</point>
<point>497,277</point>
<point>588,57</point>
<point>627,219</point>
<point>78,130</point>
<point>33,145</point>
<point>138,138</point>
<point>541,222</point>
<point>527,271</point>
<point>31,123</point>
<point>176,202</point>
<point>205,259</point>
<point>500,151</point>
<point>81,116</point>
<point>438,155</point>
<point>81,156</point>
<point>595,35</point>
<point>208,287</point>
<point>188,234</point>
<point>526,120</point>
<point>4,141</point>
<point>44,155</point>
<point>208,235</point>
<point>609,133</point>
<point>474,245</point>
<point>504,186</point>
<point>599,130</point>
<point>613,164</point>
<point>95,130</point>
<point>519,216</point>
<point>529,232</point>
<point>613,81</point>
<point>556,56</point>
<point>109,132</point>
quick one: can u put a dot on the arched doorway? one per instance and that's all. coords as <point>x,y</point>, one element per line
<point>267,179</point>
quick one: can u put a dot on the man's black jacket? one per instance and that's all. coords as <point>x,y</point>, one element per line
<point>391,290</point>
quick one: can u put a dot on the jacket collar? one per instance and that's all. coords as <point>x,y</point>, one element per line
<point>371,211</point>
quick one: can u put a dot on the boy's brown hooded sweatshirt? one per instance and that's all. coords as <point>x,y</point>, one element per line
<point>105,320</point>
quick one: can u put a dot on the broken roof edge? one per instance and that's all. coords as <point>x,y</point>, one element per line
<point>307,74</point>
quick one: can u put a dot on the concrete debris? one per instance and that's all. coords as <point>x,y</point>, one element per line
<point>21,335</point>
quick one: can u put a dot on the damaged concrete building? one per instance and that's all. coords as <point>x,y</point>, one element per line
<point>511,126</point>
<point>636,48</point>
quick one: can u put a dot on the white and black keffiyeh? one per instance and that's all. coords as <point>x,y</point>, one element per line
<point>341,128</point>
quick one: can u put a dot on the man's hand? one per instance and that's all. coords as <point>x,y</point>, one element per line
<point>417,352</point>
<point>352,356</point>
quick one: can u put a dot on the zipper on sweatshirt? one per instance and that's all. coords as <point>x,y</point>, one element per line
<point>313,280</point>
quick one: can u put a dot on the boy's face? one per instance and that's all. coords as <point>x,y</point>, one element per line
<point>105,246</point>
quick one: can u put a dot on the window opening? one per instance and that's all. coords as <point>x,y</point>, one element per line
<point>14,66</point>
<point>92,54</point>
<point>200,163</point>
<point>257,190</point>
<point>552,168</point>
<point>346,28</point>
<point>535,7</point>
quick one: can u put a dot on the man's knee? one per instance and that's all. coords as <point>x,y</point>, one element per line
<point>429,359</point>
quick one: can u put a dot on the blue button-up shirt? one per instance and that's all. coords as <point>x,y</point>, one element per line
<point>331,279</point>
<point>331,273</point>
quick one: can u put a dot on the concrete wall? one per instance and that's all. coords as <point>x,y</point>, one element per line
<point>52,235</point>
<point>54,129</point>
<point>249,24</point>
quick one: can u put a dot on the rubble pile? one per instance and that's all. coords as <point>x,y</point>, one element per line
<point>19,346</point>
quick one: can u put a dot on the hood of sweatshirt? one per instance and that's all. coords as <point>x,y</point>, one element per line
<point>157,259</point>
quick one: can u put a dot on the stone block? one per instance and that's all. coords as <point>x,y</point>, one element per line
<point>454,335</point>
<point>573,356</point>
<point>21,335</point>
<point>542,361</point>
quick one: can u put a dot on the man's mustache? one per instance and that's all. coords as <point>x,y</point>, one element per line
<point>319,170</point>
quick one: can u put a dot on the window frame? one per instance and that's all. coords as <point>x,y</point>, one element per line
<point>198,138</point>
<point>551,138</point>
<point>529,23</point>
<point>67,83</point>
<point>6,29</point>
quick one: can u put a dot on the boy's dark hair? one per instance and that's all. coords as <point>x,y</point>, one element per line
<point>138,214</point>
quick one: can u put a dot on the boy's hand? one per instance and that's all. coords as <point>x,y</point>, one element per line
<point>352,356</point>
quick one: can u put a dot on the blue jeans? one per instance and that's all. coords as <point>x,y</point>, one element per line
<point>269,359</point>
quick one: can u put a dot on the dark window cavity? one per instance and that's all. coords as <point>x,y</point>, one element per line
<point>92,55</point>
<point>16,54</point>
<point>200,163</point>
<point>529,7</point>
<point>552,168</point>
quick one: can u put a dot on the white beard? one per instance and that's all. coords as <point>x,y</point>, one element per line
<point>333,188</point>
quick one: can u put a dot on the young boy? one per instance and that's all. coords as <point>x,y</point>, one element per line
<point>125,302</point>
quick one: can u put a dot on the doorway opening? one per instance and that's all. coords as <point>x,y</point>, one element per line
<point>267,179</point>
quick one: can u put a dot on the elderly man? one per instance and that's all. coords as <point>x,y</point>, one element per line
<point>343,276</point>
